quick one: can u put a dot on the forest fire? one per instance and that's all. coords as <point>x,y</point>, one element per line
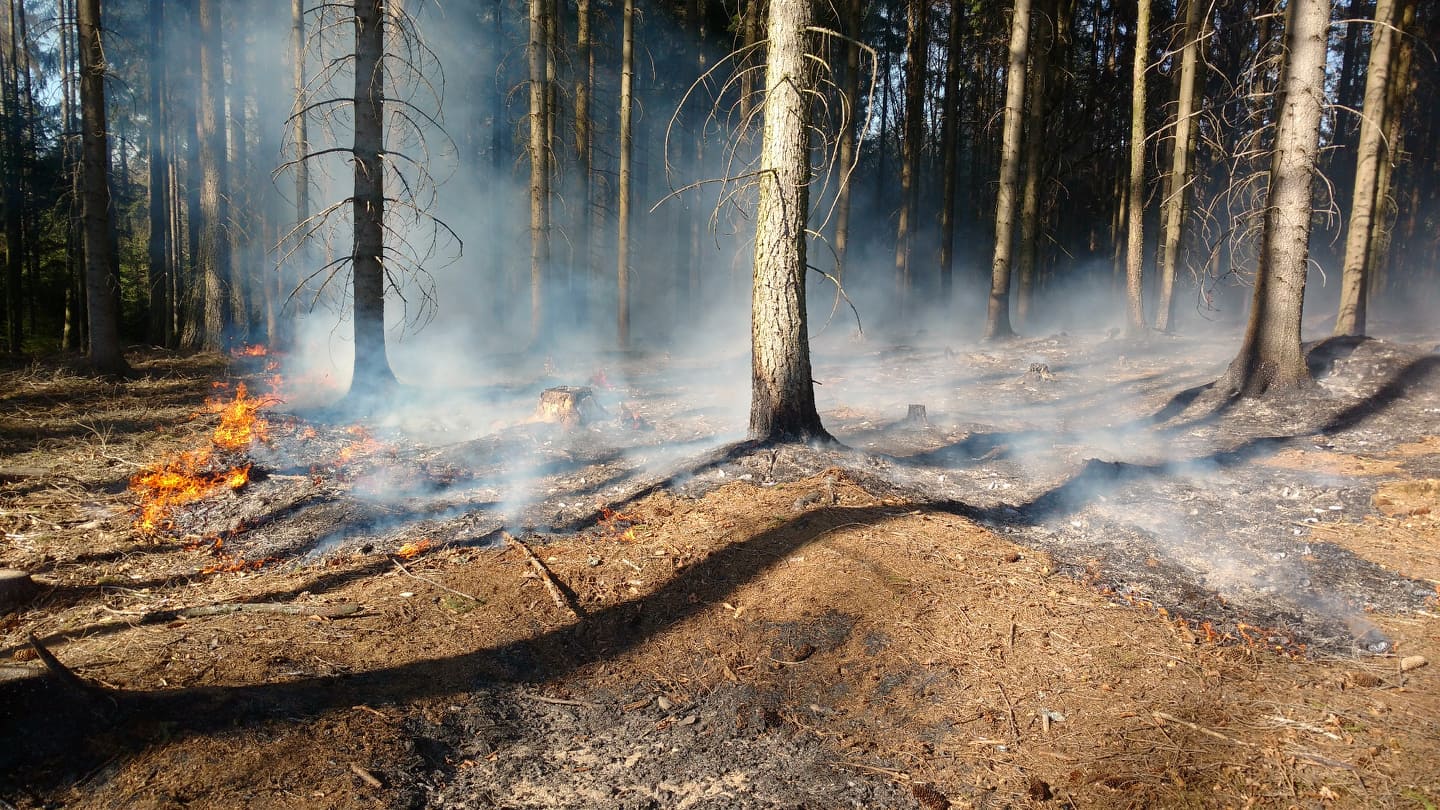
<point>240,424</point>
<point>179,480</point>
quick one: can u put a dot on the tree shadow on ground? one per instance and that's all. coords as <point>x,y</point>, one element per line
<point>72,731</point>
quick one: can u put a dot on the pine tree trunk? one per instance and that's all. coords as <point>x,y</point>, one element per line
<point>539,169</point>
<point>300,131</point>
<point>1270,358</point>
<point>1034,156</point>
<point>916,25</point>
<point>782,404</point>
<point>850,90</point>
<point>949,135</point>
<point>584,135</point>
<point>372,375</point>
<point>1354,279</point>
<point>1174,205</point>
<point>1397,97</point>
<point>997,315</point>
<point>101,291</point>
<point>1135,230</point>
<point>622,241</point>
<point>158,283</point>
<point>214,182</point>
<point>13,157</point>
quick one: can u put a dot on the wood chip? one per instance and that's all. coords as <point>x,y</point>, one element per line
<point>366,776</point>
<point>1410,662</point>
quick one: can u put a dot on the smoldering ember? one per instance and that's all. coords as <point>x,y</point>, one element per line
<point>375,428</point>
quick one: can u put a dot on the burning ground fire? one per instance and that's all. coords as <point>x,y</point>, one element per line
<point>192,475</point>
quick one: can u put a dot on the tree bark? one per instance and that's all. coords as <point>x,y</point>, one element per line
<point>101,290</point>
<point>622,243</point>
<point>916,58</point>
<point>1174,206</point>
<point>782,403</point>
<point>539,169</point>
<point>1270,360</point>
<point>1034,156</point>
<point>1397,97</point>
<point>158,283</point>
<point>1354,278</point>
<point>214,183</point>
<point>372,375</point>
<point>997,315</point>
<point>850,90</point>
<point>1135,230</point>
<point>949,135</point>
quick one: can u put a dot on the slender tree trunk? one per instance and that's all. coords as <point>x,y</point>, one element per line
<point>1397,97</point>
<point>997,315</point>
<point>159,277</point>
<point>782,404</point>
<point>193,334</point>
<point>539,169</point>
<point>300,124</point>
<point>584,135</point>
<point>1135,231</point>
<point>101,290</point>
<point>14,179</point>
<point>622,242</point>
<point>214,182</point>
<point>372,375</point>
<point>1270,358</point>
<point>1354,279</point>
<point>949,135</point>
<point>916,57</point>
<point>850,92</point>
<point>1035,141</point>
<point>1174,205</point>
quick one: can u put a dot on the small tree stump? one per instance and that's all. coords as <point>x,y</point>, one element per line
<point>568,405</point>
<point>16,588</point>
<point>916,415</point>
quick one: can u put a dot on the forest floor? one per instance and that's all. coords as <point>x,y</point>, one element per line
<point>1077,580</point>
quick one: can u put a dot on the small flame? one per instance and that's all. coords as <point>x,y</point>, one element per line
<point>415,549</point>
<point>240,424</point>
<point>251,350</point>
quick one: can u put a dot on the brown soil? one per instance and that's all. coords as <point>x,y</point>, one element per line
<point>942,620</point>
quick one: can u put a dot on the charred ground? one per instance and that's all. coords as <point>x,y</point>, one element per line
<point>1078,579</point>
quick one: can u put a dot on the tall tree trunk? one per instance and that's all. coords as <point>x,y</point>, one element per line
<point>300,125</point>
<point>1135,230</point>
<point>584,134</point>
<point>911,145</point>
<point>214,182</point>
<point>782,393</point>
<point>159,276</point>
<point>949,136</point>
<point>1397,96</point>
<point>622,240</point>
<point>193,280</point>
<point>1034,158</point>
<point>13,155</point>
<point>997,315</point>
<point>1174,205</point>
<point>1270,358</point>
<point>372,375</point>
<point>1354,279</point>
<point>539,168</point>
<point>101,290</point>
<point>850,90</point>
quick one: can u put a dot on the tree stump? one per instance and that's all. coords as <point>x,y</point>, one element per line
<point>16,588</point>
<point>916,415</point>
<point>568,405</point>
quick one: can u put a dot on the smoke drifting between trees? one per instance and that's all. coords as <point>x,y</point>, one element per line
<point>503,127</point>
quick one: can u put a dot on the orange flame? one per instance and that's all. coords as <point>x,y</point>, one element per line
<point>415,549</point>
<point>179,480</point>
<point>252,350</point>
<point>240,424</point>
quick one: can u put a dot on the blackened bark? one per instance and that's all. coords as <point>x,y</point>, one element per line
<point>101,290</point>
<point>372,375</point>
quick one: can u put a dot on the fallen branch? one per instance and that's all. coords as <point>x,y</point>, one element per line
<point>226,608</point>
<point>366,776</point>
<point>546,578</point>
<point>1166,717</point>
<point>556,701</point>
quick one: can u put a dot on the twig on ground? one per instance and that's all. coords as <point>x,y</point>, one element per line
<point>556,701</point>
<point>366,776</point>
<point>59,670</point>
<point>546,578</point>
<point>226,608</point>
<point>1166,717</point>
<point>899,776</point>
<point>1014,726</point>
<point>427,580</point>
